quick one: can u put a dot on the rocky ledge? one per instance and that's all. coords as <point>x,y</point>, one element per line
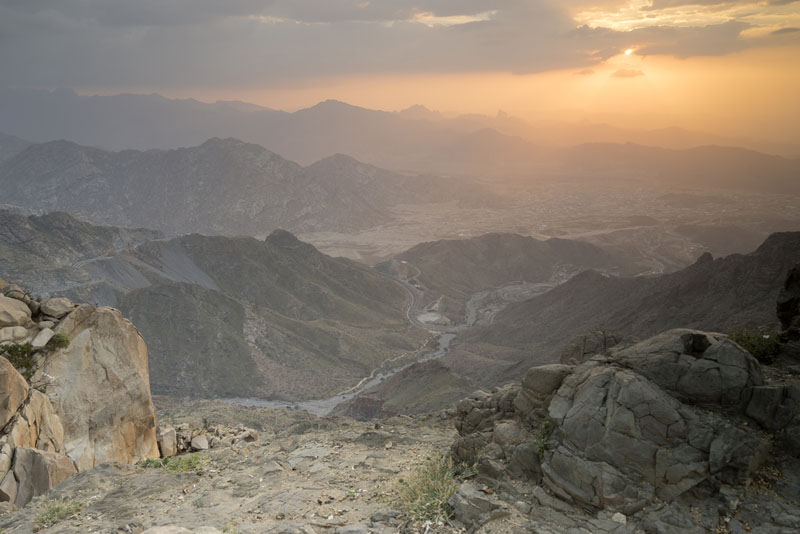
<point>667,435</point>
<point>74,393</point>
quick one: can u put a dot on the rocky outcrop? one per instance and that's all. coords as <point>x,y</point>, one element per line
<point>91,401</point>
<point>101,389</point>
<point>788,309</point>
<point>644,431</point>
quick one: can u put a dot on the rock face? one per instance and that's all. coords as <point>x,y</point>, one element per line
<point>644,430</point>
<point>91,401</point>
<point>789,314</point>
<point>102,390</point>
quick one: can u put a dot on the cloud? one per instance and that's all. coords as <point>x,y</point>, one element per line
<point>784,31</point>
<point>585,72</point>
<point>627,73</point>
<point>173,44</point>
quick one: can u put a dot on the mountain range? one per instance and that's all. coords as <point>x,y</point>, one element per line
<point>224,186</point>
<point>414,139</point>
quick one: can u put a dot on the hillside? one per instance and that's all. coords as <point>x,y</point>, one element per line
<point>223,186</point>
<point>455,269</point>
<point>235,317</point>
<point>713,294</point>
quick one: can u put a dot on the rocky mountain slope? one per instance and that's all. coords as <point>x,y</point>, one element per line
<point>455,269</point>
<point>223,186</point>
<point>713,294</point>
<point>234,317</point>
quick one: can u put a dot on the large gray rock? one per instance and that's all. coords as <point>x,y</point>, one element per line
<point>13,391</point>
<point>695,367</point>
<point>774,406</point>
<point>13,312</point>
<point>470,505</point>
<point>102,390</point>
<point>621,439</point>
<point>38,471</point>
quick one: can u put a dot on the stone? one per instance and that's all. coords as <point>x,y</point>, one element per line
<point>46,324</point>
<point>3,284</point>
<point>13,312</point>
<point>42,338</point>
<point>167,442</point>
<point>695,367</point>
<point>57,307</point>
<point>544,380</point>
<point>469,504</point>
<point>102,389</point>
<point>13,333</point>
<point>248,436</point>
<point>585,346</point>
<point>167,530</point>
<point>13,391</point>
<point>200,443</point>
<point>774,406</point>
<point>13,291</point>
<point>37,426</point>
<point>39,471</point>
<point>788,305</point>
<point>621,440</point>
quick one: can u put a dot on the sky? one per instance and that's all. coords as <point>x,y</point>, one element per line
<point>720,66</point>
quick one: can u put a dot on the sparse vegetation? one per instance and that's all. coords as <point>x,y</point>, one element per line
<point>57,511</point>
<point>58,341</point>
<point>177,464</point>
<point>542,436</point>
<point>426,492</point>
<point>20,357</point>
<point>762,345</point>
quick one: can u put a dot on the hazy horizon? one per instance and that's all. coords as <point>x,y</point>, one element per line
<point>722,67</point>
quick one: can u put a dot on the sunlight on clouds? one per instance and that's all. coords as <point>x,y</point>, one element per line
<point>430,19</point>
<point>639,14</point>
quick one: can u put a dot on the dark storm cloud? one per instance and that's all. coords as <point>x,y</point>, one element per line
<point>213,43</point>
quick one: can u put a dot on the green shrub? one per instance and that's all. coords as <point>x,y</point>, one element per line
<point>20,357</point>
<point>176,464</point>
<point>426,492</point>
<point>58,341</point>
<point>762,345</point>
<point>56,511</point>
<point>542,436</point>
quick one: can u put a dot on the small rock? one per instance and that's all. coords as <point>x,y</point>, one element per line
<point>200,443</point>
<point>46,324</point>
<point>620,518</point>
<point>42,338</point>
<point>167,442</point>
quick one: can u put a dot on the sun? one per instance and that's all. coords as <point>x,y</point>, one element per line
<point>629,51</point>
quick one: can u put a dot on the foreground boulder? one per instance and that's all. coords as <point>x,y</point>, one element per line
<point>91,397</point>
<point>101,389</point>
<point>645,431</point>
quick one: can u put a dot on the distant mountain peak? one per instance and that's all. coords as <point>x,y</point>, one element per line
<point>283,239</point>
